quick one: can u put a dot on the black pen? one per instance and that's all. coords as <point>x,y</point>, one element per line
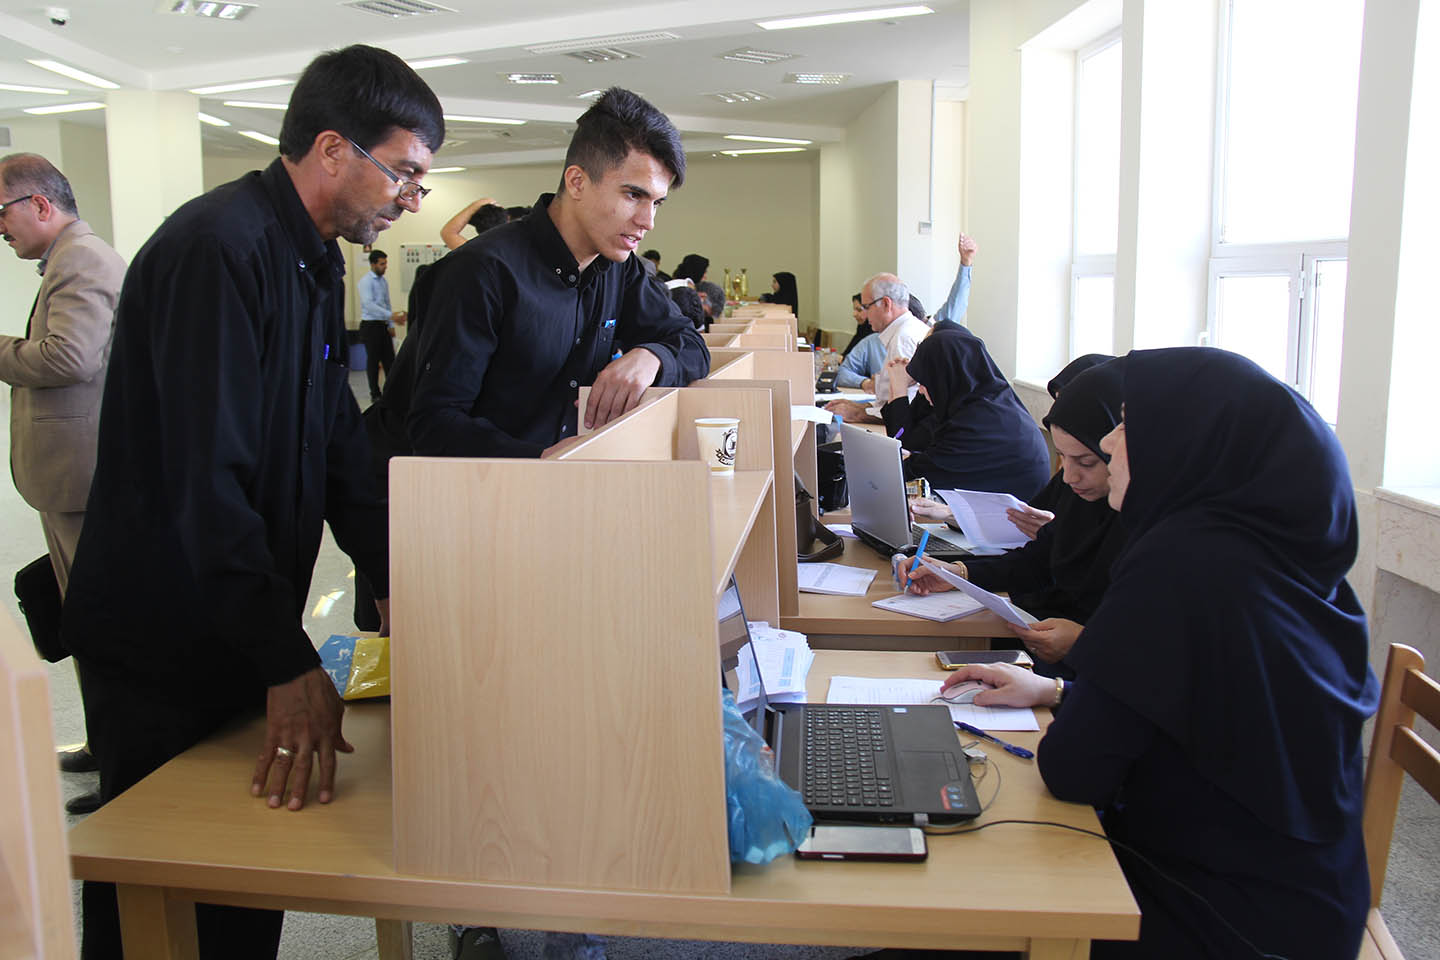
<point>1020,752</point>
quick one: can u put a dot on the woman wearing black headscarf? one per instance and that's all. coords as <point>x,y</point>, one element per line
<point>783,290</point>
<point>1224,680</point>
<point>977,434</point>
<point>693,268</point>
<point>1062,574</point>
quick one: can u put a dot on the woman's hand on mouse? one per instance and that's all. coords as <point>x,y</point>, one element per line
<point>1049,640</point>
<point>1014,686</point>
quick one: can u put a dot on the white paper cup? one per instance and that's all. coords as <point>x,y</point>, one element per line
<point>719,437</point>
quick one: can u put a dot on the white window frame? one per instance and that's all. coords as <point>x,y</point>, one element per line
<point>1087,265</point>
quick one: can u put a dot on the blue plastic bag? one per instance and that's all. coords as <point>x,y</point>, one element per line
<point>767,818</point>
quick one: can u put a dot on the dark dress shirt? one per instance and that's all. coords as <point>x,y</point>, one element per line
<point>229,436</point>
<point>514,328</point>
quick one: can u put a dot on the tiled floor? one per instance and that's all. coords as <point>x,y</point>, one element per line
<point>1412,895</point>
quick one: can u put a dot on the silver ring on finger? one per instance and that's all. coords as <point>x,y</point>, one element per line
<point>284,753</point>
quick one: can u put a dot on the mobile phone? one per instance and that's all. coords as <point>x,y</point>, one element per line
<point>955,659</point>
<point>864,843</point>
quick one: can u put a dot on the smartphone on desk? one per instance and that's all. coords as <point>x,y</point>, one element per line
<point>955,659</point>
<point>905,844</point>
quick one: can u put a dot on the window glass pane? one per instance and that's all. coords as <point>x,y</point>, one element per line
<point>1290,136</point>
<point>1252,317</point>
<point>1329,333</point>
<point>1094,329</point>
<point>1097,152</point>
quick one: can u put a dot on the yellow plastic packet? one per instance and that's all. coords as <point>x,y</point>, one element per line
<point>358,666</point>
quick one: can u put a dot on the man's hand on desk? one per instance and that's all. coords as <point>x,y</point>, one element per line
<point>1049,640</point>
<point>618,387</point>
<point>849,410</point>
<point>302,721</point>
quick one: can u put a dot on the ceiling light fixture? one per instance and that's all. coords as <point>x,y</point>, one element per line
<point>435,62</point>
<point>240,85</point>
<point>523,78</point>
<point>751,55</point>
<point>22,88</point>
<point>261,137</point>
<point>602,54</point>
<point>446,169</point>
<point>74,73</point>
<point>395,9</point>
<point>849,16</point>
<point>589,94</point>
<point>212,121</point>
<point>207,8</point>
<point>825,79</point>
<point>256,104</point>
<point>741,136</point>
<point>66,108</point>
<point>740,96</point>
<point>585,43</point>
<point>459,118</point>
<point>746,153</point>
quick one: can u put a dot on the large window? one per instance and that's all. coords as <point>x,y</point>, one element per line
<point>1285,152</point>
<point>1097,197</point>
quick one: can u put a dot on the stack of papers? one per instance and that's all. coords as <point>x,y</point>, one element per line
<point>784,658</point>
<point>982,517</point>
<point>940,607</point>
<point>899,690</point>
<point>801,411</point>
<point>835,579</point>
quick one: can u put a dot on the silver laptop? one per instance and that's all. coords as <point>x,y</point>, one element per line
<point>879,510</point>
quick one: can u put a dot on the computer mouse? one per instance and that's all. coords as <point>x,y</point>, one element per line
<point>964,692</point>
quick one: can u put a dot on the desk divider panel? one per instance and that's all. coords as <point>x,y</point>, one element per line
<point>737,327</point>
<point>732,364</point>
<point>35,904</point>
<point>721,340</point>
<point>766,340</point>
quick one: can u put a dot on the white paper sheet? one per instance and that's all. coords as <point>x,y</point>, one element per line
<point>997,605</point>
<point>808,411</point>
<point>843,529</point>
<point>835,579</point>
<point>901,690</point>
<point>940,607</point>
<point>982,516</point>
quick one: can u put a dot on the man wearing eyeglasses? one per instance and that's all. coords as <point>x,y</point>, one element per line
<point>885,302</point>
<point>229,437</point>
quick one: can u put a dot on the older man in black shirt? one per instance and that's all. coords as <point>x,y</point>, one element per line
<point>229,436</point>
<point>525,314</point>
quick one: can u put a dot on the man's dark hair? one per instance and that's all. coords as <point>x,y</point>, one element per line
<point>377,255</point>
<point>31,173</point>
<point>364,93</point>
<point>689,303</point>
<point>488,217</point>
<point>715,297</point>
<point>517,213</point>
<point>652,255</point>
<point>621,121</point>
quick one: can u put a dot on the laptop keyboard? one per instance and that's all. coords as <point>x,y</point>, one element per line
<point>846,759</point>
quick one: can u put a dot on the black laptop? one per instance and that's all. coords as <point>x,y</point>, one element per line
<point>858,763</point>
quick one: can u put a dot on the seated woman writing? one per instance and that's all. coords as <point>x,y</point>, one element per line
<point>977,435</point>
<point>1224,680</point>
<point>1061,575</point>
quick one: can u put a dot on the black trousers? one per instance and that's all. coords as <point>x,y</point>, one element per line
<point>136,724</point>
<point>379,352</point>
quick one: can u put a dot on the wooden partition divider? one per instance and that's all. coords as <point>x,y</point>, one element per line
<point>721,340</point>
<point>535,687</point>
<point>35,904</point>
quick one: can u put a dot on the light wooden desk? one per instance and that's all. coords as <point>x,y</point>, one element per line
<point>190,832</point>
<point>851,623</point>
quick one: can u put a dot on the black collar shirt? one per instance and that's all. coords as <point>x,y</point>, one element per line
<point>514,328</point>
<point>228,437</point>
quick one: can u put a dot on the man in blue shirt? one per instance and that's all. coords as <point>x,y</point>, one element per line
<point>377,322</point>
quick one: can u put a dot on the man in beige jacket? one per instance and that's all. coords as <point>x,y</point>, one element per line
<point>57,370</point>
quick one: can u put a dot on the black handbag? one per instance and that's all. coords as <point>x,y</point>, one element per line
<point>39,594</point>
<point>813,540</point>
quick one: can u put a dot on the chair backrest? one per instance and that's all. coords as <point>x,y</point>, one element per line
<point>1396,750</point>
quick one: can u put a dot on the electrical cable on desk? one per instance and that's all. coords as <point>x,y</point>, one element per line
<point>951,831</point>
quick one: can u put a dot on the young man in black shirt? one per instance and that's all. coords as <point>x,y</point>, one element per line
<point>229,436</point>
<point>527,313</point>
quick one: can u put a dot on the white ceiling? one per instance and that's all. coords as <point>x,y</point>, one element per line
<point>129,42</point>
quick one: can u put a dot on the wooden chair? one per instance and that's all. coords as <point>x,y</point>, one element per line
<point>1395,751</point>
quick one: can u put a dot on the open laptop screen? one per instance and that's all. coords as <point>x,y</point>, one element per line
<point>876,480</point>
<point>734,635</point>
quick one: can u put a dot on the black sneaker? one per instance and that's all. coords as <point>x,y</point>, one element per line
<point>83,804</point>
<point>476,943</point>
<point>77,760</point>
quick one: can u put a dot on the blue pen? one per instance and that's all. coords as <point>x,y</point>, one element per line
<point>920,552</point>
<point>617,355</point>
<point>1020,752</point>
<point>899,433</point>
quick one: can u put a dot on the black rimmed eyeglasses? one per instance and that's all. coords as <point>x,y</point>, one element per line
<point>10,203</point>
<point>409,189</point>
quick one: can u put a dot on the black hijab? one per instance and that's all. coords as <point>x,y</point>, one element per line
<point>1073,369</point>
<point>692,268</point>
<point>983,438</point>
<point>787,294</point>
<point>1228,623</point>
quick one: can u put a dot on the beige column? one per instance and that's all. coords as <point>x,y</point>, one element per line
<point>153,142</point>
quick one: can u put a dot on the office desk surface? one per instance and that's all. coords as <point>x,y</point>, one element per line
<point>851,623</point>
<point>191,832</point>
